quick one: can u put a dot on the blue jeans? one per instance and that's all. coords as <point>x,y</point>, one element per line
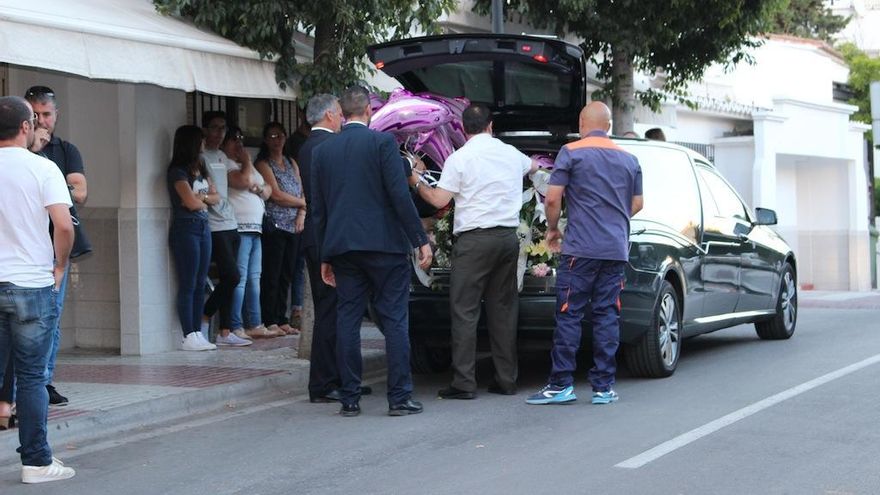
<point>581,282</point>
<point>27,321</point>
<point>190,241</point>
<point>299,278</point>
<point>246,297</point>
<point>56,335</point>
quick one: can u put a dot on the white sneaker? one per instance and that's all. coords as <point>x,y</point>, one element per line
<point>192,342</point>
<point>41,474</point>
<point>232,340</point>
<point>240,333</point>
<point>206,341</point>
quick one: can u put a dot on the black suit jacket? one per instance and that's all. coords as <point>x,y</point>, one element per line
<point>360,194</point>
<point>304,159</point>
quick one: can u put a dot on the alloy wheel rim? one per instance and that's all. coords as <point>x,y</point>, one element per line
<point>788,300</point>
<point>668,331</point>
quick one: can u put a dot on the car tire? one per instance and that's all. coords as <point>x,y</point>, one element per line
<point>656,354</point>
<point>425,359</point>
<point>782,325</point>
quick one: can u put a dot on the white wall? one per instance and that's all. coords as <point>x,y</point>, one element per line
<point>695,127</point>
<point>87,118</point>
<point>794,69</point>
<point>147,287</point>
<point>735,159</point>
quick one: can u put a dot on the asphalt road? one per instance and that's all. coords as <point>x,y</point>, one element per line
<point>740,416</point>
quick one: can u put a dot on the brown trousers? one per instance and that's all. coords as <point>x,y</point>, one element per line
<point>484,268</point>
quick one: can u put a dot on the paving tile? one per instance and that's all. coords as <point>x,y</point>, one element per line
<point>165,375</point>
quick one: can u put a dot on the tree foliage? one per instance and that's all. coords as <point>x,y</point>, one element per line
<point>807,19</point>
<point>342,29</point>
<point>862,70</point>
<point>678,39</point>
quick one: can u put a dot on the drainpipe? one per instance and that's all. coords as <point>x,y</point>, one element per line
<point>875,132</point>
<point>498,17</point>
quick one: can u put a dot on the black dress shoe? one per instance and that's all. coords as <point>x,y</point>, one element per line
<point>366,390</point>
<point>350,410</point>
<point>454,393</point>
<point>331,396</point>
<point>494,388</point>
<point>404,408</point>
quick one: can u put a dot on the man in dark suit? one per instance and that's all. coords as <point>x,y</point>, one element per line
<point>366,225</point>
<point>325,115</point>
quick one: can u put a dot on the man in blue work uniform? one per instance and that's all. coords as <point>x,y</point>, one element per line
<point>602,185</point>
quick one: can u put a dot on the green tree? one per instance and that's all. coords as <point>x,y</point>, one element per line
<point>678,39</point>
<point>862,70</point>
<point>342,29</point>
<point>807,19</point>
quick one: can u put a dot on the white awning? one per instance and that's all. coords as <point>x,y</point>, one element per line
<point>127,40</point>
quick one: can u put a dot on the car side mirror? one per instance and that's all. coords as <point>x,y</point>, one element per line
<point>765,216</point>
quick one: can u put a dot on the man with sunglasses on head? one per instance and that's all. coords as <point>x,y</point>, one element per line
<point>68,159</point>
<point>32,267</point>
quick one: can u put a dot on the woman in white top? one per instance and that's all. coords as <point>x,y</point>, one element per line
<point>247,194</point>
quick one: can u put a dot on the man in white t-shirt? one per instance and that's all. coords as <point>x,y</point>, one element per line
<point>225,241</point>
<point>32,190</point>
<point>485,178</point>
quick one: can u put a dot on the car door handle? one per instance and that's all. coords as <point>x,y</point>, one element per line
<point>708,245</point>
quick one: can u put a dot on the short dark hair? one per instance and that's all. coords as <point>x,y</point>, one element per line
<point>232,132</point>
<point>13,111</point>
<point>476,118</point>
<point>210,115</point>
<point>40,94</point>
<point>354,101</point>
<point>656,134</point>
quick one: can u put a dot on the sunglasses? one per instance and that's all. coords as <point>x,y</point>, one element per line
<point>37,91</point>
<point>275,135</point>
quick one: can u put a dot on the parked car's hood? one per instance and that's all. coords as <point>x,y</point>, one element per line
<point>530,83</point>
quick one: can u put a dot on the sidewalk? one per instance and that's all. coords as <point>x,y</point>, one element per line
<point>839,299</point>
<point>111,394</point>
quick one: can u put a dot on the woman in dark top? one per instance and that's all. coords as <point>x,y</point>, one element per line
<point>191,192</point>
<point>285,215</point>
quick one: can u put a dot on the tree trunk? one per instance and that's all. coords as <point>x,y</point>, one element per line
<point>323,40</point>
<point>307,320</point>
<point>622,74</point>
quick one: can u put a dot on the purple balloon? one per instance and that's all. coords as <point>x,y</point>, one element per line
<point>423,123</point>
<point>376,102</point>
<point>544,161</point>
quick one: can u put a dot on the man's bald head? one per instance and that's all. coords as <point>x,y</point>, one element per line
<point>596,116</point>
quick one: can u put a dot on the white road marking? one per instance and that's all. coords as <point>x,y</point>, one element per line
<point>713,426</point>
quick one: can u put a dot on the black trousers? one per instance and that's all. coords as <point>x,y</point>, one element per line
<point>224,254</point>
<point>280,250</point>
<point>484,268</point>
<point>323,370</point>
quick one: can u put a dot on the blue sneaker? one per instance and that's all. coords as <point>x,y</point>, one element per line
<point>605,397</point>
<point>553,394</point>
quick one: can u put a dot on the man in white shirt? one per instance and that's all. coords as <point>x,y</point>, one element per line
<point>485,178</point>
<point>32,190</point>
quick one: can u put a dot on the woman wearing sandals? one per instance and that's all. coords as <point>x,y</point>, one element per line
<point>247,194</point>
<point>285,217</point>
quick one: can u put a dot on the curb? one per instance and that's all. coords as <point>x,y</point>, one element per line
<point>138,416</point>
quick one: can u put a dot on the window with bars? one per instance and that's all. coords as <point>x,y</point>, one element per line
<point>706,150</point>
<point>251,114</point>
